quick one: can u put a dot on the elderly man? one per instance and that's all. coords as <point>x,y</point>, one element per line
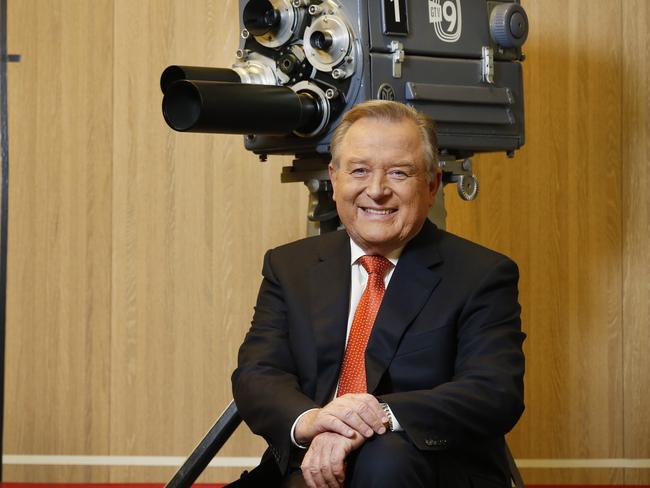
<point>388,354</point>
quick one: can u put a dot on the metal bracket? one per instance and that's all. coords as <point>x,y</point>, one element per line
<point>321,205</point>
<point>321,210</point>
<point>459,171</point>
<point>487,64</point>
<point>10,58</point>
<point>397,48</point>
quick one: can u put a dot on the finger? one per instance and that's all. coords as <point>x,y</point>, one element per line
<point>306,473</point>
<point>325,466</point>
<point>328,421</point>
<point>373,415</point>
<point>352,413</point>
<point>358,416</point>
<point>357,422</point>
<point>369,409</point>
<point>337,461</point>
<point>355,443</point>
<point>312,467</point>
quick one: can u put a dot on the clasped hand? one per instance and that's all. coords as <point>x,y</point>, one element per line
<point>334,431</point>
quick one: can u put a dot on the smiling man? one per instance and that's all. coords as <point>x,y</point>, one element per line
<point>388,354</point>
<point>384,183</point>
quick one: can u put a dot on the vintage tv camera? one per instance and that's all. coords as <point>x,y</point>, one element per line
<point>302,63</point>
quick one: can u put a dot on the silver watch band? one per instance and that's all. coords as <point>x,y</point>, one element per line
<point>386,409</point>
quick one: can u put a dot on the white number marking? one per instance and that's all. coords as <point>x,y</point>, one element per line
<point>449,14</point>
<point>398,18</point>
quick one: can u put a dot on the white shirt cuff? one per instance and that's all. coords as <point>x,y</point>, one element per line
<point>293,429</point>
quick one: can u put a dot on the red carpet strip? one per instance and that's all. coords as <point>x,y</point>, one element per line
<point>100,485</point>
<point>214,485</point>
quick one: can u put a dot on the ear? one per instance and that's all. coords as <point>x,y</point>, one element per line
<point>333,172</point>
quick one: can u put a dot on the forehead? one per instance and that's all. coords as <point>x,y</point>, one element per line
<point>381,139</point>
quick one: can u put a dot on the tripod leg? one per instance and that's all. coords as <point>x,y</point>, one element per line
<point>514,471</point>
<point>207,448</point>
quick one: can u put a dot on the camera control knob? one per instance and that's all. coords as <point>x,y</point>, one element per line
<point>288,63</point>
<point>509,25</point>
<point>467,186</point>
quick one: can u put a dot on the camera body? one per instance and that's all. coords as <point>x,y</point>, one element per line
<point>458,61</point>
<point>302,63</point>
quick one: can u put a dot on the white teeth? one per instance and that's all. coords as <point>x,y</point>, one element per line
<point>377,211</point>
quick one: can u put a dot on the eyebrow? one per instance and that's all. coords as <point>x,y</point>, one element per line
<point>401,164</point>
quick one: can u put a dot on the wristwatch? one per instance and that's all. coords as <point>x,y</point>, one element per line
<point>389,424</point>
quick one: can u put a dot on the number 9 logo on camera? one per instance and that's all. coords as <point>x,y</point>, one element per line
<point>445,15</point>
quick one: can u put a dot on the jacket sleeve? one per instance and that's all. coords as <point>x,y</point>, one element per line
<point>484,398</point>
<point>265,383</point>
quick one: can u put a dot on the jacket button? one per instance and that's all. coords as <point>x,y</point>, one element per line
<point>429,442</point>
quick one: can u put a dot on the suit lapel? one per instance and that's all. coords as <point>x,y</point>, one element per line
<point>330,296</point>
<point>412,283</point>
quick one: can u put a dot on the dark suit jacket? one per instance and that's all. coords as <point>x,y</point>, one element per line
<point>445,351</point>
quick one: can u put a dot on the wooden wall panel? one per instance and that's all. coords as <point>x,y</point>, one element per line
<point>58,304</point>
<point>636,231</point>
<point>135,252</point>
<point>556,209</point>
<point>598,477</point>
<point>193,215</point>
<point>142,474</point>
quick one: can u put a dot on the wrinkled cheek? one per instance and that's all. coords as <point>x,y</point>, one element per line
<point>406,226</point>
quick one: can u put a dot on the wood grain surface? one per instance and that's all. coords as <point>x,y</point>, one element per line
<point>135,252</point>
<point>635,213</point>
<point>556,209</point>
<point>59,269</point>
<point>193,215</point>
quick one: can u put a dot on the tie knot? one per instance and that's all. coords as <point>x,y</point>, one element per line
<point>376,264</point>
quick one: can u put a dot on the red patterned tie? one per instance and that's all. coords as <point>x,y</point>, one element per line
<point>353,371</point>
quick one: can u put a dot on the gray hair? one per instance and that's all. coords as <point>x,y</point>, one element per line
<point>393,112</point>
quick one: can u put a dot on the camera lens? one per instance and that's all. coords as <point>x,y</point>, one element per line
<point>260,17</point>
<point>321,40</point>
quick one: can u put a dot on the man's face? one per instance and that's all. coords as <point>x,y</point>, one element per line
<point>381,187</point>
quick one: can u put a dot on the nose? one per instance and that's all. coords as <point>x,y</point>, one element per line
<point>378,185</point>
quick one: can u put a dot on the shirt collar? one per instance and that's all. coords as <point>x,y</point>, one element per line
<point>356,252</point>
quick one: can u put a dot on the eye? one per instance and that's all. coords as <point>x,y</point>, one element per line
<point>398,174</point>
<point>359,172</point>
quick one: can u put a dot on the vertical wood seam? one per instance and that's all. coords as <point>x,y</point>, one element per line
<point>112,244</point>
<point>621,217</point>
<point>4,159</point>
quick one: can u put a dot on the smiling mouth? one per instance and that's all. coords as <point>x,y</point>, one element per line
<point>378,211</point>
